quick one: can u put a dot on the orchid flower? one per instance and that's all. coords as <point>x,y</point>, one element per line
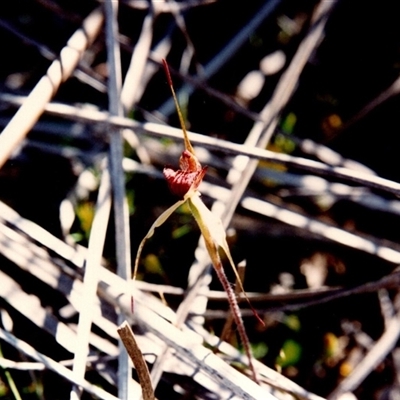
<point>184,183</point>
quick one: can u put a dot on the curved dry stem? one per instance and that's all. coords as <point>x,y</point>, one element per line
<point>157,130</point>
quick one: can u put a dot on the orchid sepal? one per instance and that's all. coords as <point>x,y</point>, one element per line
<point>158,222</point>
<point>215,238</point>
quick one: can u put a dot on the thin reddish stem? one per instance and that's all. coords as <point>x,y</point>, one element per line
<point>237,318</point>
<point>167,73</point>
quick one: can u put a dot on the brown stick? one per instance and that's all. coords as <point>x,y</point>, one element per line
<point>129,341</point>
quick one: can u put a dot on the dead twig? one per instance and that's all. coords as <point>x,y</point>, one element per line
<point>129,341</point>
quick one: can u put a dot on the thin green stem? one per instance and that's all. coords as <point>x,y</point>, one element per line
<point>10,381</point>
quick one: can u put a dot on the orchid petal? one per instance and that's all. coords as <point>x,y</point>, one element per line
<point>158,222</point>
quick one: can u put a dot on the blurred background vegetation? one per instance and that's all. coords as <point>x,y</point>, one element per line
<point>343,112</point>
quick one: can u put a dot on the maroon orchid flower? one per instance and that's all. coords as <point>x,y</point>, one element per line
<point>184,183</point>
<point>186,179</point>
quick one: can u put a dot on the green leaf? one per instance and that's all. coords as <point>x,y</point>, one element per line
<point>290,353</point>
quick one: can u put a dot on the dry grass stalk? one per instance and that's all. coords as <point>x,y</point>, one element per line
<point>58,72</point>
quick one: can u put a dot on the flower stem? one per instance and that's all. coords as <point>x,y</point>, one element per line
<point>237,317</point>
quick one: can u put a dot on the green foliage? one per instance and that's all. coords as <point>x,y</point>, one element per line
<point>289,123</point>
<point>259,350</point>
<point>290,353</point>
<point>181,231</point>
<point>293,322</point>
<point>130,196</point>
<point>282,141</point>
<point>152,265</point>
<point>85,214</point>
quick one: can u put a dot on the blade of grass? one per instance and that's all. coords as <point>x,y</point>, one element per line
<point>82,73</point>
<point>58,72</point>
<point>113,289</point>
<point>129,93</point>
<point>121,213</point>
<point>134,83</point>
<point>54,366</point>
<point>227,52</point>
<point>262,131</point>
<point>90,280</point>
<point>158,130</point>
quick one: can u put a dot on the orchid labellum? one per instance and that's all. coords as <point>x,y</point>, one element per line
<point>184,183</point>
